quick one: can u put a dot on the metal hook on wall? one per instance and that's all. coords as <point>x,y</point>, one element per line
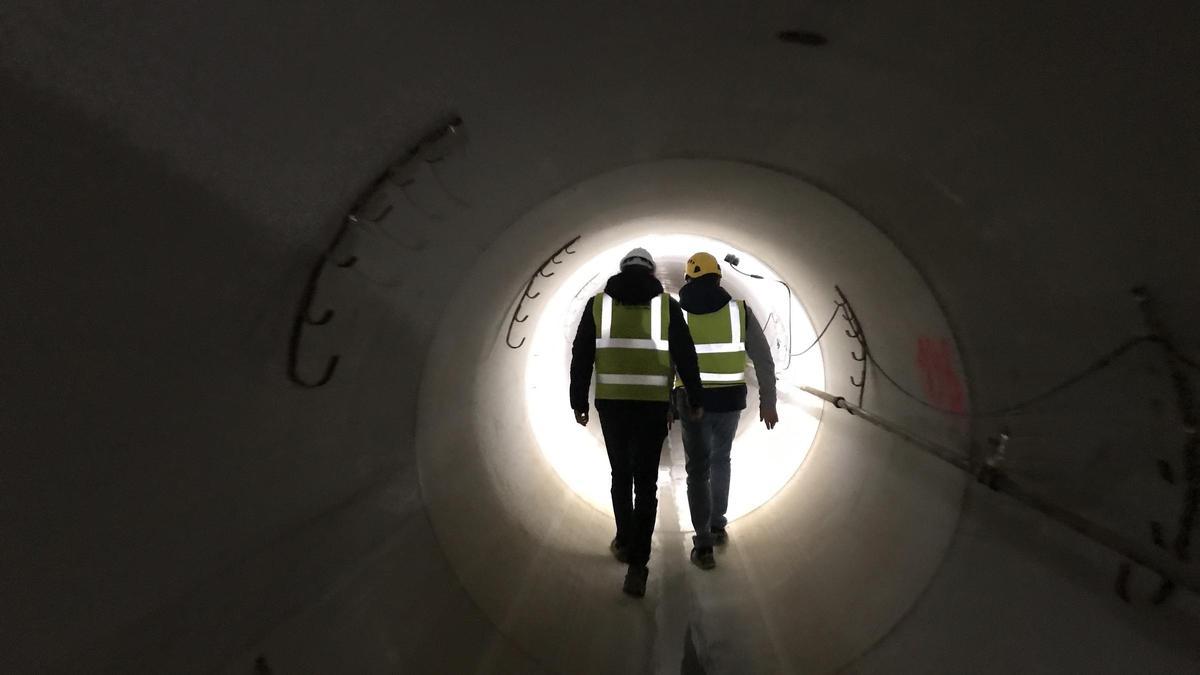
<point>324,319</point>
<point>855,332</point>
<point>432,150</point>
<point>330,367</point>
<point>526,294</point>
<point>1165,587</point>
<point>303,317</point>
<point>508,335</point>
<point>432,147</point>
<point>1159,334</point>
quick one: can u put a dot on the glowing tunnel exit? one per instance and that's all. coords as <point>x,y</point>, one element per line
<point>518,493</point>
<point>763,461</point>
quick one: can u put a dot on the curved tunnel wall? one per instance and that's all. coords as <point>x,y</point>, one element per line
<point>534,556</point>
<point>171,502</point>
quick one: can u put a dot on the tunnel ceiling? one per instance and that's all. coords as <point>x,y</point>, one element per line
<point>984,126</point>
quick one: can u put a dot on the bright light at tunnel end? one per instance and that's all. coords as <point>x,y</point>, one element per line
<point>763,461</point>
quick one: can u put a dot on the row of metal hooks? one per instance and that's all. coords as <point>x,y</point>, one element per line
<point>1185,400</point>
<point>855,332</point>
<point>990,469</point>
<point>432,148</point>
<point>539,273</point>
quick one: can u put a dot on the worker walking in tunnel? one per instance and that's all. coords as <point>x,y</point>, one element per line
<point>725,333</point>
<point>621,333</point>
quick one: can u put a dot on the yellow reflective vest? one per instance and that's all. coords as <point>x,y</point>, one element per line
<point>633,360</point>
<point>720,339</point>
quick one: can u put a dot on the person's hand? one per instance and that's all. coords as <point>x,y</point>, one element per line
<point>768,416</point>
<point>695,414</point>
<point>581,417</point>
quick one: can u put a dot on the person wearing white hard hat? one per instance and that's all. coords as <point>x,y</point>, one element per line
<point>633,333</point>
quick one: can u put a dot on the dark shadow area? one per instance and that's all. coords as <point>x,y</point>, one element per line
<point>161,462</point>
<point>691,660</point>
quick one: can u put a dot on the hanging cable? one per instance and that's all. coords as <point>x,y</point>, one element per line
<point>836,308</point>
<point>1096,366</point>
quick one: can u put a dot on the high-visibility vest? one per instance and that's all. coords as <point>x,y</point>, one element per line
<point>633,361</point>
<point>720,339</point>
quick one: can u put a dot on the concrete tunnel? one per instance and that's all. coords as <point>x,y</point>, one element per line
<point>204,206</point>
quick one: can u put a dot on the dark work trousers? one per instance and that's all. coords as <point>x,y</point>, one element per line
<point>634,432</point>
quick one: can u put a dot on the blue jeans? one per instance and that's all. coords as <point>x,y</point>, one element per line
<point>707,444</point>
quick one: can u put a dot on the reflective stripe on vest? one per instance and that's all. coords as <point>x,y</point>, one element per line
<point>633,359</point>
<point>720,339</point>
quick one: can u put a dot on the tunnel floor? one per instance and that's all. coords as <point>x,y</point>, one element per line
<point>702,621</point>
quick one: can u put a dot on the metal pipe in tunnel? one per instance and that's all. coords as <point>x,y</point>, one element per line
<point>992,475</point>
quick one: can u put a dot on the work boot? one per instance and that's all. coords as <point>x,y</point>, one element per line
<point>619,551</point>
<point>635,581</point>
<point>720,537</point>
<point>702,557</point>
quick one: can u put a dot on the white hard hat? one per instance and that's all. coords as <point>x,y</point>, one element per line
<point>640,257</point>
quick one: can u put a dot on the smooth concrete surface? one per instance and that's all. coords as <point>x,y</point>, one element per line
<point>171,171</point>
<point>533,554</point>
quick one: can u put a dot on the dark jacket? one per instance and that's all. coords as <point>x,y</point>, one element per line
<point>705,296</point>
<point>632,287</point>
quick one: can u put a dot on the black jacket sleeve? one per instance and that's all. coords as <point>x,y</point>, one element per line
<point>583,357</point>
<point>683,354</point>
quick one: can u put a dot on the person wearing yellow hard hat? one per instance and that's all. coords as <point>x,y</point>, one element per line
<point>726,333</point>
<point>634,334</point>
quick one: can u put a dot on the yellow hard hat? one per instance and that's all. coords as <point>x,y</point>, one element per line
<point>700,264</point>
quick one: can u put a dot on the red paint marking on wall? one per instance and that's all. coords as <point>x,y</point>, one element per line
<point>941,383</point>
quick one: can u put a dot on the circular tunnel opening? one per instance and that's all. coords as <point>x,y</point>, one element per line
<point>840,547</point>
<point>762,462</point>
